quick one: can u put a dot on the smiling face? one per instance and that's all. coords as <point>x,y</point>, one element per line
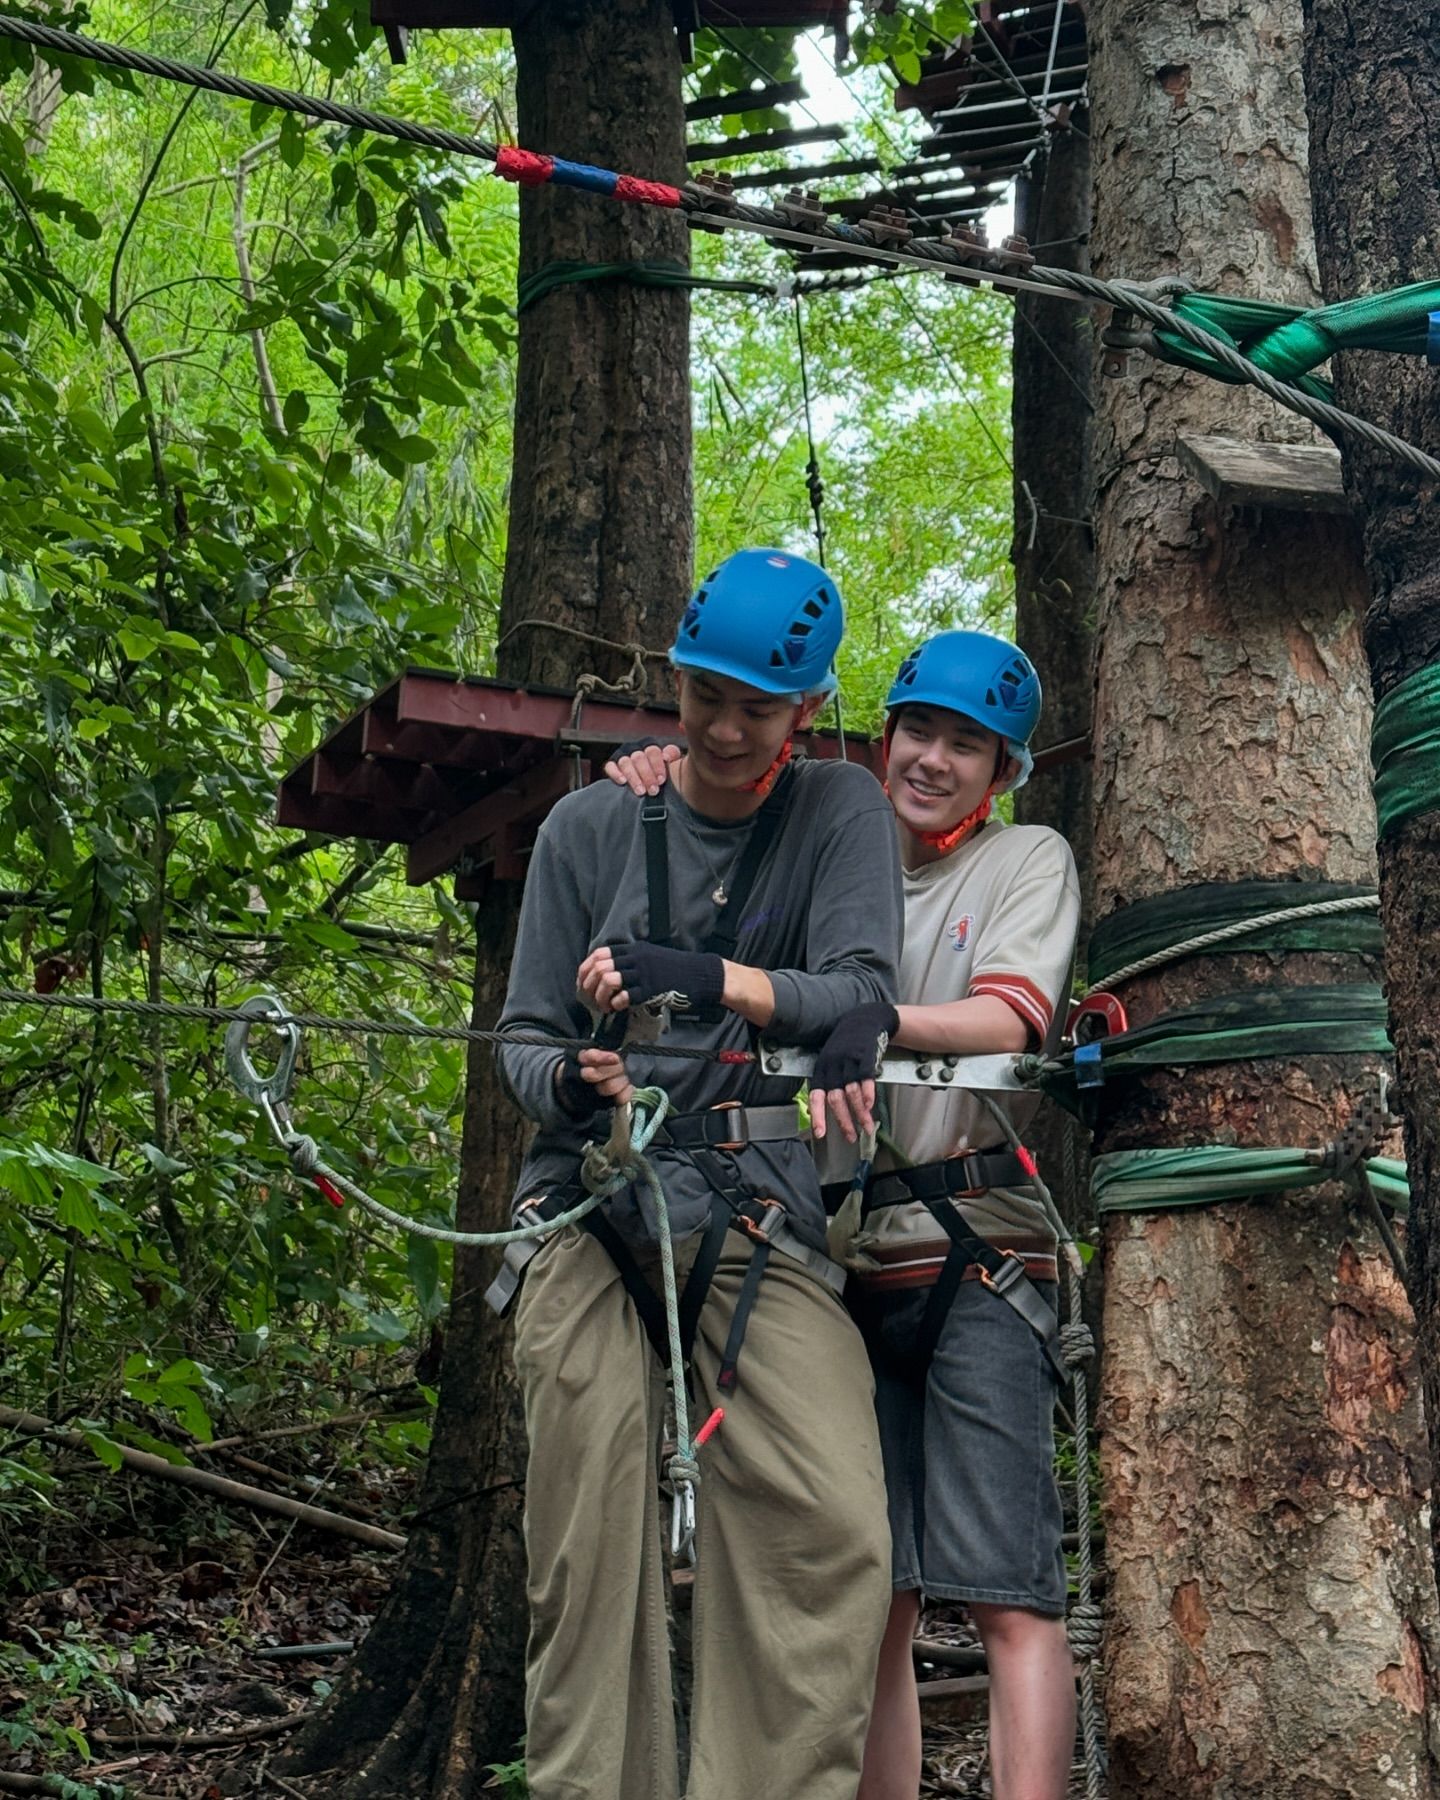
<point>734,732</point>
<point>940,767</point>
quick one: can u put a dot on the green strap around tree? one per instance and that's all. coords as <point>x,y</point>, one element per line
<point>1209,1174</point>
<point>1146,927</point>
<point>1261,1022</point>
<point>1288,341</point>
<point>643,274</point>
<point>1405,750</point>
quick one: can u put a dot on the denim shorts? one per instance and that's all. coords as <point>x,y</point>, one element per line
<point>969,1451</point>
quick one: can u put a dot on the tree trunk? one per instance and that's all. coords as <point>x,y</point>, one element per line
<point>600,542</point>
<point>1054,545</point>
<point>1053,552</point>
<point>1272,1625</point>
<point>1372,78</point>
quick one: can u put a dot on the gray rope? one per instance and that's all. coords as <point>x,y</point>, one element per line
<point>1125,296</point>
<point>1223,934</point>
<point>236,87</point>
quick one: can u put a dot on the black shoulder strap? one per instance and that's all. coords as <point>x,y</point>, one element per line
<point>654,820</point>
<point>768,821</point>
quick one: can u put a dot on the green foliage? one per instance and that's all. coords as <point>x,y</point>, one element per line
<point>55,1677</point>
<point>256,380</point>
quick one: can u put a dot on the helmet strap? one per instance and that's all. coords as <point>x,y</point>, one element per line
<point>767,781</point>
<point>955,835</point>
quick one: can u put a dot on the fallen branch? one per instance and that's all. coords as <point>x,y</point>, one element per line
<point>311,1428</point>
<point>218,1485</point>
<point>56,1785</point>
<point>200,1740</point>
<point>286,1652</point>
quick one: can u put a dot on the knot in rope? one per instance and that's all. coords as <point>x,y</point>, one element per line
<point>1077,1344</point>
<point>304,1154</point>
<point>683,1468</point>
<point>1085,1629</point>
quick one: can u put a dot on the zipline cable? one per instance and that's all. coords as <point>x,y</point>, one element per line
<point>703,207</point>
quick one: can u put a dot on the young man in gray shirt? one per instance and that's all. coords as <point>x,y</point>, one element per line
<point>765,893</point>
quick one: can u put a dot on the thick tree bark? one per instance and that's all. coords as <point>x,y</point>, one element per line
<point>1372,78</point>
<point>1053,552</point>
<point>600,542</point>
<point>1272,1630</point>
<point>1054,546</point>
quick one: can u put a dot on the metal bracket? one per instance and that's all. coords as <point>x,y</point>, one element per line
<point>912,1068</point>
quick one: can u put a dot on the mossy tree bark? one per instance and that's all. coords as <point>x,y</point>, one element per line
<point>600,543</point>
<point>1372,77</point>
<point>1273,1628</point>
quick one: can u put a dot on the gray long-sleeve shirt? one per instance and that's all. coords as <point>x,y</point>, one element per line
<point>823,919</point>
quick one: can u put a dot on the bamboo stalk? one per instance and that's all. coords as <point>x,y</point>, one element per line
<point>218,1485</point>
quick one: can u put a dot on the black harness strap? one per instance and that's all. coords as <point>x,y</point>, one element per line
<point>654,819</point>
<point>657,868</point>
<point>1003,1272</point>
<point>648,1303</point>
<point>740,1318</point>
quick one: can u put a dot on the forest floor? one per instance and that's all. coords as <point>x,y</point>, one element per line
<point>197,1625</point>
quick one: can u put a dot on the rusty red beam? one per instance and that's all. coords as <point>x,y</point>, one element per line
<point>529,796</point>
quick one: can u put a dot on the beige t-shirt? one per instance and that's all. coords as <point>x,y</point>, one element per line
<point>998,916</point>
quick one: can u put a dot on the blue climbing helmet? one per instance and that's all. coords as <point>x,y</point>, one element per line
<point>765,617</point>
<point>982,676</point>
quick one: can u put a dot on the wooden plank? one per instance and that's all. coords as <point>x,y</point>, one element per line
<point>528,796</point>
<point>402,787</point>
<point>765,140</point>
<point>342,818</point>
<point>722,106</point>
<point>1284,477</point>
<point>428,698</point>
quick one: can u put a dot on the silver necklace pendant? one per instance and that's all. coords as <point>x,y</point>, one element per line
<point>720,897</point>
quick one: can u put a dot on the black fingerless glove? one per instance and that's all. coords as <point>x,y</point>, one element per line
<point>579,1097</point>
<point>854,1049</point>
<point>651,969</point>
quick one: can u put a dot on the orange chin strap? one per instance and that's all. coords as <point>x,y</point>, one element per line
<point>767,781</point>
<point>946,841</point>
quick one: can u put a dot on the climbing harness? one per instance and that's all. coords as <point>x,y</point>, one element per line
<point>1008,1273</point>
<point>803,222</point>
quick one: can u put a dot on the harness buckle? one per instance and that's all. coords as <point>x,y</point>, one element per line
<point>1014,1270</point>
<point>731,1144</point>
<point>764,1228</point>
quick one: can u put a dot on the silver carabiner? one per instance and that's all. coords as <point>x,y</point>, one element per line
<point>267,1091</point>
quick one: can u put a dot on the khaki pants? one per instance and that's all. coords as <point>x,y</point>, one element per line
<point>793,1583</point>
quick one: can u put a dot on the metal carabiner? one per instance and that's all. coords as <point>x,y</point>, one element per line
<point>267,1091</point>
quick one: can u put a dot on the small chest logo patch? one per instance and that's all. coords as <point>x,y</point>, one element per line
<point>959,933</point>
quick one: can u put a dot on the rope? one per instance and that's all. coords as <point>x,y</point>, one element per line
<point>1405,750</point>
<point>707,210</point>
<point>554,275</point>
<point>236,87</point>
<point>1242,928</point>
<point>606,1169</point>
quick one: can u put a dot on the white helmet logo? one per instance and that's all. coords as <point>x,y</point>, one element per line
<point>778,562</point>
